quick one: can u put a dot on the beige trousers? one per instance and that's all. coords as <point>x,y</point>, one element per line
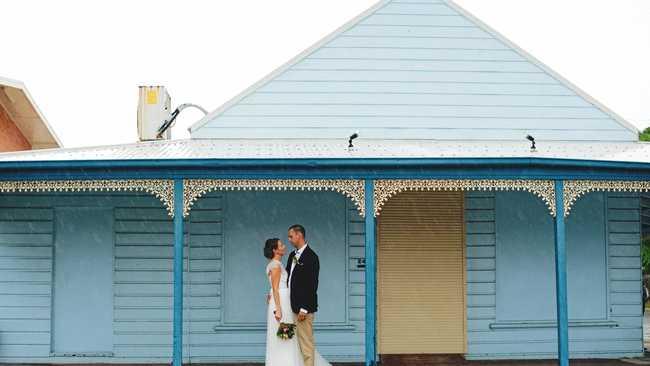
<point>305,330</point>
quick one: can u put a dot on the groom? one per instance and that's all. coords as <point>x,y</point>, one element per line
<point>303,270</point>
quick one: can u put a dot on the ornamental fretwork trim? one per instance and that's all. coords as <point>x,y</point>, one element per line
<point>574,189</point>
<point>385,189</point>
<point>195,188</point>
<point>163,189</point>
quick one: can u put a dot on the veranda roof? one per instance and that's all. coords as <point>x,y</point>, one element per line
<point>634,152</point>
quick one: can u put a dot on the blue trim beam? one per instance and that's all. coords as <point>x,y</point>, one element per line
<point>322,162</point>
<point>371,277</point>
<point>178,274</point>
<point>561,277</point>
<point>440,168</point>
<point>461,172</point>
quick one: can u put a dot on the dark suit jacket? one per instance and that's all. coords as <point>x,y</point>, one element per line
<point>304,281</point>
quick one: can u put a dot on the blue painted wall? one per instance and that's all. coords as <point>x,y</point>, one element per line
<point>250,218</point>
<point>511,294</point>
<point>414,70</point>
<point>141,280</point>
<point>26,247</point>
<point>83,279</point>
<point>525,246</point>
<point>142,277</point>
<point>255,216</point>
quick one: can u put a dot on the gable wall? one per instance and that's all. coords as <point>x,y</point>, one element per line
<point>415,70</point>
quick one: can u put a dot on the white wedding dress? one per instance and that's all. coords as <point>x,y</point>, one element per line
<point>280,352</point>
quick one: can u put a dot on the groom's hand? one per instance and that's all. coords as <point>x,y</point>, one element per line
<point>301,316</point>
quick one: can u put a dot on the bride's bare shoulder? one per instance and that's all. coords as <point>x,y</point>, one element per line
<point>273,264</point>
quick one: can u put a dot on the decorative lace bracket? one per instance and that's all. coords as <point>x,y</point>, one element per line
<point>162,189</point>
<point>574,189</point>
<point>195,188</point>
<point>384,189</point>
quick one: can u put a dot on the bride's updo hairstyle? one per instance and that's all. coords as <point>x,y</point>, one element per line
<point>269,246</point>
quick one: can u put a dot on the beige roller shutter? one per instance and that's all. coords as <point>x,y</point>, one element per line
<point>421,274</point>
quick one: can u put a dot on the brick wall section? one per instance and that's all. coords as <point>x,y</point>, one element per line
<point>11,139</point>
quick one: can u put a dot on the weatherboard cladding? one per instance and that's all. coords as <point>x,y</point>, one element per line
<point>142,281</point>
<point>622,288</point>
<point>414,70</point>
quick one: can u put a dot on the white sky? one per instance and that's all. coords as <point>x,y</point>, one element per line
<point>83,60</point>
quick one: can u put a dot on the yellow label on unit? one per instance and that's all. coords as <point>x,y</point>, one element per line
<point>152,96</point>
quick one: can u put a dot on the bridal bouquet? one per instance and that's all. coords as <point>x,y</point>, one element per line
<point>286,331</point>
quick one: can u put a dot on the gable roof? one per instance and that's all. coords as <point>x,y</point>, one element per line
<point>415,70</point>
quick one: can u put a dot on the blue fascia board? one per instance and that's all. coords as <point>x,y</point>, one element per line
<point>377,168</point>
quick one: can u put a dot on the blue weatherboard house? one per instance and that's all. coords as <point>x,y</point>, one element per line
<point>441,231</point>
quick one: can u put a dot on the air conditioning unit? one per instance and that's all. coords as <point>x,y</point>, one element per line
<point>154,108</point>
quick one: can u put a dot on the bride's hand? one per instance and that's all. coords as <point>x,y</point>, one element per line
<point>278,314</point>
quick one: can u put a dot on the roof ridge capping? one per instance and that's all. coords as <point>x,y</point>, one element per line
<point>377,6</point>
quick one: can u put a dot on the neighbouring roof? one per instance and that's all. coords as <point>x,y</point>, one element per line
<point>17,101</point>
<point>408,69</point>
<point>638,152</point>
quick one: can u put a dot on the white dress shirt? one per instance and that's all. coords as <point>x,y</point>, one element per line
<point>293,265</point>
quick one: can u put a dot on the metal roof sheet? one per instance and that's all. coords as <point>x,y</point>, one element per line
<point>322,149</point>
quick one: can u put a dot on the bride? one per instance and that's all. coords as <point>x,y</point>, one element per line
<point>280,352</point>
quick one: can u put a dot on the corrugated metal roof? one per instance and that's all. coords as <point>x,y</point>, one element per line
<point>322,149</point>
